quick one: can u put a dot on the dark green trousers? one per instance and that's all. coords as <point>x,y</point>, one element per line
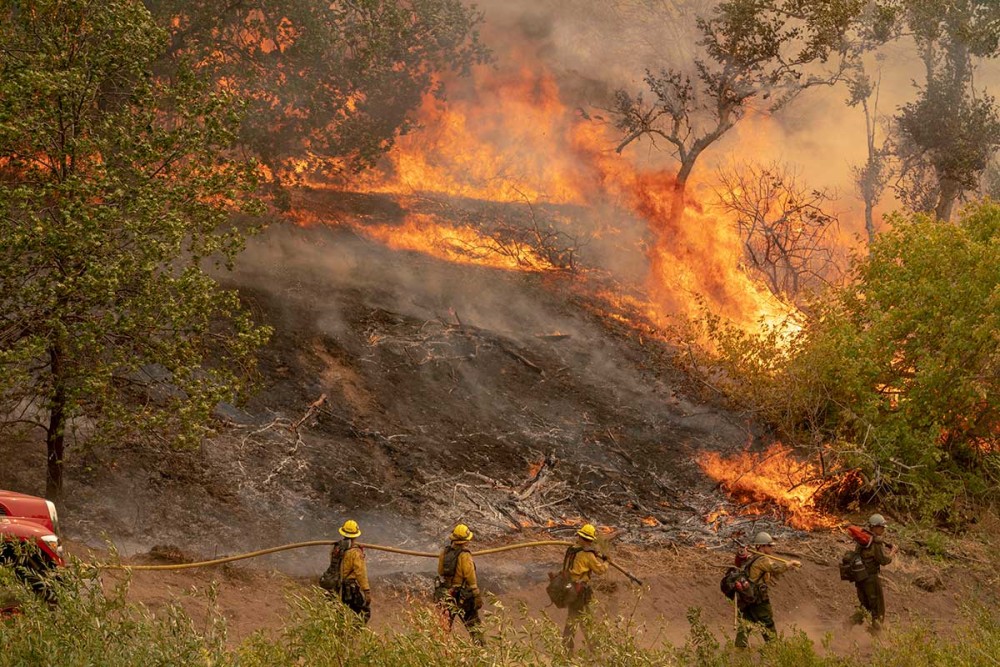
<point>872,601</point>
<point>759,614</point>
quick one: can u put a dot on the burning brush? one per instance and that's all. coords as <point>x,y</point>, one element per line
<point>775,480</point>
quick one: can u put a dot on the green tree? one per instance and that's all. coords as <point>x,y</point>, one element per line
<point>947,136</point>
<point>331,84</point>
<point>116,189</point>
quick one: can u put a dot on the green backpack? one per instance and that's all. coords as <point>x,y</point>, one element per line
<point>561,590</point>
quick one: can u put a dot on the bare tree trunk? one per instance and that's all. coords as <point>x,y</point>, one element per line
<point>868,185</point>
<point>870,221</point>
<point>55,439</point>
<point>950,190</point>
<point>678,199</point>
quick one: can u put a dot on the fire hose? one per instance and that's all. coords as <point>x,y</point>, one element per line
<point>374,547</point>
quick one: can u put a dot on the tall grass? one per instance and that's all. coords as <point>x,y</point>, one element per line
<point>94,624</point>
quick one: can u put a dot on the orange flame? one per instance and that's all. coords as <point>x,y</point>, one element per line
<point>774,479</point>
<point>458,244</point>
<point>535,468</point>
<point>514,138</point>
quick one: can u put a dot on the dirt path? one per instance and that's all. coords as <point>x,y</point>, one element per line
<point>813,599</point>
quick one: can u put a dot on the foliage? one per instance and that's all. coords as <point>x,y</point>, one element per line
<point>946,137</point>
<point>897,371</point>
<point>116,189</point>
<point>94,626</point>
<point>952,132</point>
<point>333,83</point>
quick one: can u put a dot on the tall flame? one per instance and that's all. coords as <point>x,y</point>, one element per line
<point>513,138</point>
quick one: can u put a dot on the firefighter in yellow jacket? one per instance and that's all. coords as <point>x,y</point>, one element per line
<point>582,560</point>
<point>354,588</point>
<point>457,589</point>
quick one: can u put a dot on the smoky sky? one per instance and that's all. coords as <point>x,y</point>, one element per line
<point>595,47</point>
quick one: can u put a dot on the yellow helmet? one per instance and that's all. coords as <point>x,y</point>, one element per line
<point>461,533</point>
<point>350,529</point>
<point>588,532</point>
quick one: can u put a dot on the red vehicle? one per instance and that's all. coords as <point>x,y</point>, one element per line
<point>14,530</point>
<point>33,522</point>
<point>22,506</point>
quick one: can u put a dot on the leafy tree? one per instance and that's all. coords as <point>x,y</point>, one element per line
<point>899,371</point>
<point>947,136</point>
<point>331,84</point>
<point>115,190</point>
<point>758,54</point>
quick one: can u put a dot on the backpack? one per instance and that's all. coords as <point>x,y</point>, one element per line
<point>853,567</point>
<point>560,589</point>
<point>442,584</point>
<point>736,583</point>
<point>330,580</point>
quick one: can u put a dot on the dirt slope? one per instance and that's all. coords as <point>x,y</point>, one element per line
<point>447,387</point>
<point>450,392</point>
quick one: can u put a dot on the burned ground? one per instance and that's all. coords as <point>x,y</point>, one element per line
<point>411,393</point>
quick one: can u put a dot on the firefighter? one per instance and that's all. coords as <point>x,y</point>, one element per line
<point>762,570</point>
<point>581,561</point>
<point>874,556</point>
<point>457,590</point>
<point>354,589</point>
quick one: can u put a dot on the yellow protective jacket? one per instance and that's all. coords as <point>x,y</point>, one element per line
<point>465,571</point>
<point>353,567</point>
<point>585,563</point>
<point>765,568</point>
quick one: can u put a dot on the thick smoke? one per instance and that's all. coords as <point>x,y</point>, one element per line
<point>596,47</point>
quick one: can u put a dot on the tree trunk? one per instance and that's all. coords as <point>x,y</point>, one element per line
<point>675,216</point>
<point>950,190</point>
<point>55,439</point>
<point>677,201</point>
<point>870,219</point>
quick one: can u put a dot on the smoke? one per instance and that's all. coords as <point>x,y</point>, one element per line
<point>595,47</point>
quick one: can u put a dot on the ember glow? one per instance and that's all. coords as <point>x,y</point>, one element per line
<point>459,244</point>
<point>771,481</point>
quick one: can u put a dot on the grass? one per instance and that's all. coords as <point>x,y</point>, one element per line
<point>96,626</point>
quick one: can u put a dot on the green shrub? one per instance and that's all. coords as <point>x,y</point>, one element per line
<point>896,372</point>
<point>94,624</point>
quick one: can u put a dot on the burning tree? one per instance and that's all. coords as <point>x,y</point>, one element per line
<point>782,224</point>
<point>758,54</point>
<point>330,84</point>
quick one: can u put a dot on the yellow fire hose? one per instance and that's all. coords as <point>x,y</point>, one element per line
<point>375,547</point>
<point>772,556</point>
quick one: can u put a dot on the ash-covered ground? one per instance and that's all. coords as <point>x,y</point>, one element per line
<point>411,393</point>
